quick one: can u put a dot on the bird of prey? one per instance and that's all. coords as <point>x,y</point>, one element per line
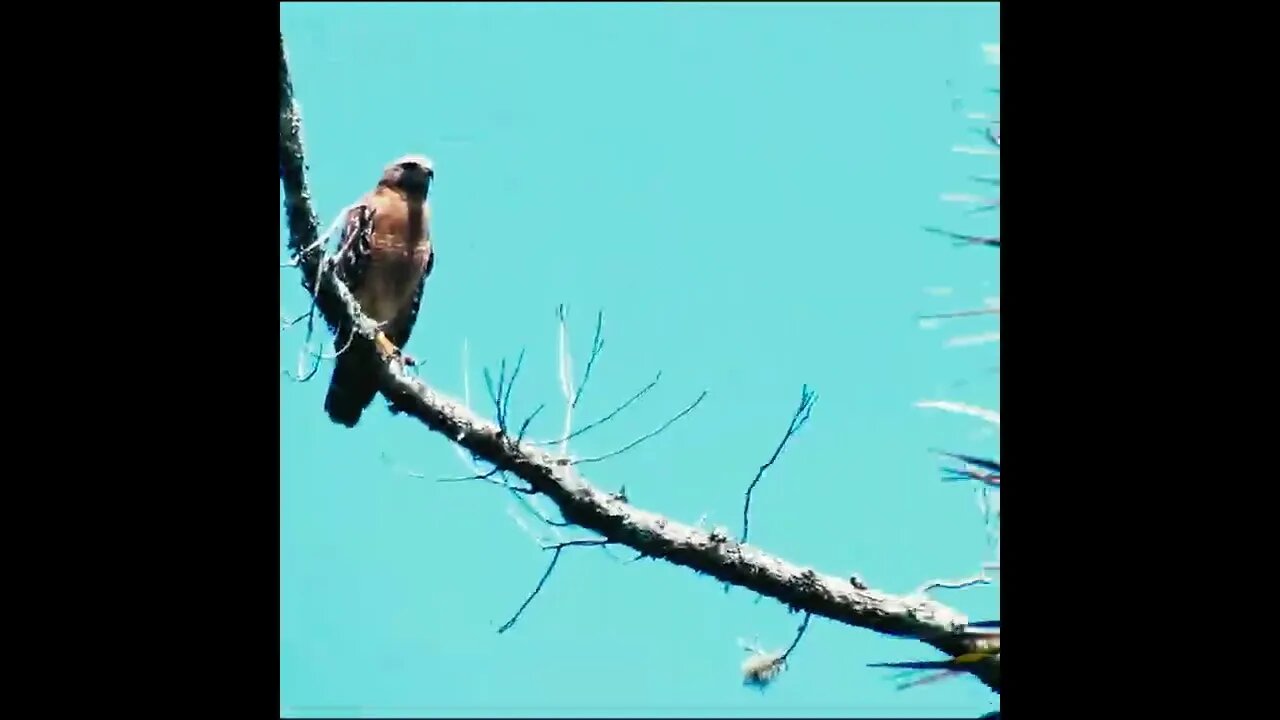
<point>385,258</point>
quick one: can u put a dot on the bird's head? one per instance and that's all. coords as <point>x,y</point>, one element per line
<point>411,173</point>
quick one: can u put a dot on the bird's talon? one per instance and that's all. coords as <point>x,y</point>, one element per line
<point>388,350</point>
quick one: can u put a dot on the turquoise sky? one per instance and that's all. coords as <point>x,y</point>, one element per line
<point>741,189</point>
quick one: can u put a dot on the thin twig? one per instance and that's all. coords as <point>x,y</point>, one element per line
<point>304,375</point>
<point>347,346</point>
<point>501,395</point>
<point>495,396</point>
<point>584,542</point>
<point>537,512</point>
<point>525,425</point>
<point>963,240</point>
<point>506,399</point>
<point>979,579</point>
<point>465,478</point>
<point>597,344</point>
<point>961,474</point>
<point>478,477</point>
<point>502,483</point>
<point>985,464</point>
<point>606,418</point>
<point>285,323</point>
<point>799,634</point>
<point>639,440</point>
<point>571,394</point>
<point>537,589</point>
<point>798,419</point>
<point>555,558</point>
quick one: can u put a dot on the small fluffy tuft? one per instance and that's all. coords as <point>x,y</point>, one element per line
<point>762,668</point>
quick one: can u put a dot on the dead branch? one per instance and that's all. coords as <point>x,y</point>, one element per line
<point>646,436</point>
<point>962,240</point>
<point>502,400</point>
<point>573,395</point>
<point>799,634</point>
<point>555,558</point>
<point>798,419</point>
<point>962,474</point>
<point>979,579</point>
<point>597,344</point>
<point>985,464</point>
<point>537,512</point>
<point>524,426</point>
<point>606,418</point>
<point>579,502</point>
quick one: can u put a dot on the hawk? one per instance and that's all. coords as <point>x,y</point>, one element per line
<point>384,259</point>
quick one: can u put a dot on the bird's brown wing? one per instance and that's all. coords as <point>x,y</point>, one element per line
<point>357,244</point>
<point>399,329</point>
<point>355,374</point>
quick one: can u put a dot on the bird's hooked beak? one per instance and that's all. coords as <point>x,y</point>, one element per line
<point>412,170</point>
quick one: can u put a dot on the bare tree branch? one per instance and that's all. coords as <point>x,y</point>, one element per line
<point>798,419</point>
<point>555,558</point>
<point>579,502</point>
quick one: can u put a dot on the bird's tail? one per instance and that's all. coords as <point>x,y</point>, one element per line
<point>354,383</point>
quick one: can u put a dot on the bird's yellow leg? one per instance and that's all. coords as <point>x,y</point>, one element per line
<point>389,351</point>
<point>385,346</point>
